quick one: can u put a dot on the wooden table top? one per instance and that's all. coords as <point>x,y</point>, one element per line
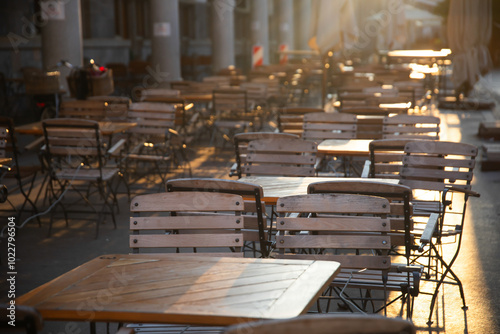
<point>275,187</point>
<point>107,128</point>
<point>345,147</point>
<point>197,97</point>
<point>172,288</point>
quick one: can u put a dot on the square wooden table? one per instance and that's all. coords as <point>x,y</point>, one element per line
<point>107,128</point>
<point>174,288</point>
<point>275,187</point>
<point>345,147</point>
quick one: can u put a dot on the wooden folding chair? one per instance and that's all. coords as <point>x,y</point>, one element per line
<point>255,229</point>
<point>327,324</point>
<point>192,221</point>
<point>282,157</point>
<point>291,119</point>
<point>241,141</point>
<point>154,144</point>
<point>231,114</point>
<point>399,198</point>
<point>386,158</point>
<point>322,126</point>
<point>355,231</point>
<point>438,172</point>
<point>76,158</point>
<point>411,126</point>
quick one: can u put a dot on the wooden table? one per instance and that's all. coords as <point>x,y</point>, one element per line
<point>107,128</point>
<point>201,98</point>
<point>174,288</point>
<point>278,186</point>
<point>345,147</point>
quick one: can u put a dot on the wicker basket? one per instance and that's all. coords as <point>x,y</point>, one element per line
<point>96,86</point>
<point>41,83</point>
<point>103,84</point>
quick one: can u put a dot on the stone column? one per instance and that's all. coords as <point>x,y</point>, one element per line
<point>223,33</point>
<point>286,26</point>
<point>260,26</point>
<point>62,36</point>
<point>303,24</point>
<point>286,33</point>
<point>165,42</point>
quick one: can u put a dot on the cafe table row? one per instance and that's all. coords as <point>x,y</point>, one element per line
<point>187,289</point>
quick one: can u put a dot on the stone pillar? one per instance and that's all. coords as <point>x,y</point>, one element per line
<point>286,26</point>
<point>260,26</point>
<point>286,33</point>
<point>303,24</point>
<point>165,42</point>
<point>62,36</point>
<point>223,33</point>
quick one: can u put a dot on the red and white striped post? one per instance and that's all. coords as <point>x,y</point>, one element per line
<point>257,56</point>
<point>283,55</point>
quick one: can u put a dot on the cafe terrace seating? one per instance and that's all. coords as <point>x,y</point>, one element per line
<point>291,119</point>
<point>256,229</point>
<point>76,158</point>
<point>443,170</point>
<point>191,222</point>
<point>386,158</point>
<point>282,157</point>
<point>411,126</point>
<point>322,126</point>
<point>241,141</point>
<point>231,114</point>
<point>355,231</point>
<point>153,144</point>
<point>399,197</point>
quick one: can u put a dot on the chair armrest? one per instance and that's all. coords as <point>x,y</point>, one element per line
<point>117,147</point>
<point>465,191</point>
<point>366,169</point>
<point>404,268</point>
<point>429,230</point>
<point>233,171</point>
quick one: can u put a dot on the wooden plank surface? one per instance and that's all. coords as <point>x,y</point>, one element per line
<point>182,289</point>
<point>107,128</point>
<point>278,186</point>
<point>345,147</point>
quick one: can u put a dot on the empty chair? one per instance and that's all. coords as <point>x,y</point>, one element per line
<point>282,157</point>
<point>154,144</point>
<point>85,109</point>
<point>76,158</point>
<point>291,119</point>
<point>327,324</point>
<point>399,197</point>
<point>320,126</point>
<point>256,229</point>
<point>411,126</point>
<point>184,222</point>
<point>353,230</point>
<point>386,158</point>
<point>230,113</point>
<point>241,141</point>
<point>440,173</point>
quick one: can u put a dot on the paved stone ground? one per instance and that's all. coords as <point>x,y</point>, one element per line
<point>40,258</point>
